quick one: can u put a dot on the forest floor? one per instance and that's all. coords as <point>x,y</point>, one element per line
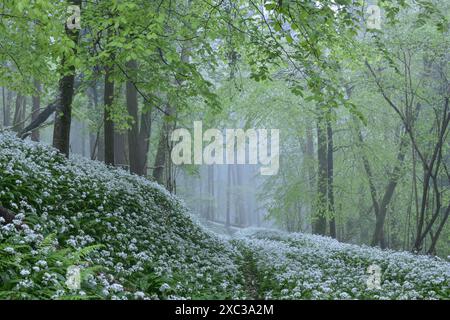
<point>132,239</point>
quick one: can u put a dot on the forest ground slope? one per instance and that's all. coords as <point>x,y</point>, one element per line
<point>134,240</point>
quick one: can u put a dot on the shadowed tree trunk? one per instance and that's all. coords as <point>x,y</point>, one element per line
<point>120,150</point>
<point>139,134</point>
<point>63,117</point>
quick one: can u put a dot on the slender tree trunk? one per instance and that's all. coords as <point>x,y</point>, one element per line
<point>23,114</point>
<point>17,112</point>
<point>3,106</point>
<point>133,133</point>
<point>378,237</point>
<point>160,159</point>
<point>36,109</point>
<point>139,134</point>
<point>63,117</point>
<point>94,136</point>
<point>310,160</point>
<point>144,141</point>
<point>170,181</point>
<point>163,149</point>
<point>320,222</point>
<point>83,139</point>
<point>330,191</point>
<point>432,248</point>
<point>120,151</point>
<point>108,122</point>
<point>120,143</point>
<point>7,108</point>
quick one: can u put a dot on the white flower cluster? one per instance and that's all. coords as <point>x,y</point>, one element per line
<point>143,229</point>
<point>150,248</point>
<point>304,266</point>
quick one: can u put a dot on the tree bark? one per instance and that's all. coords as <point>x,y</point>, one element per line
<point>17,120</point>
<point>120,150</point>
<point>378,237</point>
<point>330,191</point>
<point>139,134</point>
<point>319,225</point>
<point>94,136</point>
<point>160,159</point>
<point>36,100</point>
<point>63,118</point>
<point>7,108</point>
<point>108,122</point>
<point>133,133</point>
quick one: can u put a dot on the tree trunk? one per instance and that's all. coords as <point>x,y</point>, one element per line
<point>94,136</point>
<point>120,150</point>
<point>160,159</point>
<point>108,122</point>
<point>18,113</point>
<point>3,106</point>
<point>330,191</point>
<point>309,163</point>
<point>36,109</point>
<point>319,226</point>
<point>378,237</point>
<point>63,117</point>
<point>163,148</point>
<point>133,133</point>
<point>432,248</point>
<point>139,134</point>
<point>7,108</point>
<point>144,140</point>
